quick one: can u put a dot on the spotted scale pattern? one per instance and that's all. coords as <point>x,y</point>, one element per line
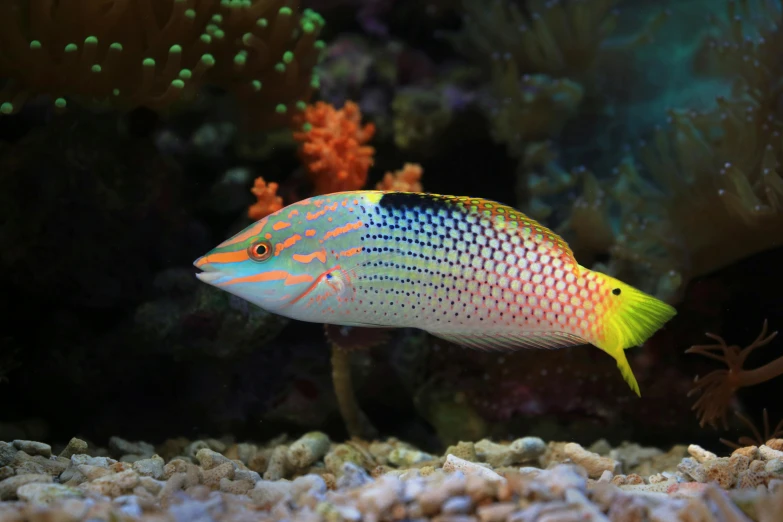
<point>450,265</point>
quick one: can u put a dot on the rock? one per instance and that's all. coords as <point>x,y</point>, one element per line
<point>113,485</point>
<point>266,493</point>
<point>212,477</point>
<point>774,466</point>
<point>310,448</point>
<point>496,455</point>
<point>278,464</point>
<point>40,493</point>
<point>593,463</point>
<point>352,476</point>
<point>7,454</point>
<point>235,487</point>
<point>209,459</point>
<point>457,505</point>
<point>342,453</point>
<point>528,448</point>
<point>404,457</point>
<point>463,450</point>
<point>121,447</point>
<point>75,446</point>
<point>9,486</point>
<point>700,454</point>
<point>33,448</point>
<point>767,453</point>
<point>151,467</point>
<point>470,468</point>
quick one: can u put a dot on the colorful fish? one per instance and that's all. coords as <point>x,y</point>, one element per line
<point>468,270</point>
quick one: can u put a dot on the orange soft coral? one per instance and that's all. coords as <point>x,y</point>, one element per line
<point>267,199</point>
<point>333,146</point>
<point>407,179</point>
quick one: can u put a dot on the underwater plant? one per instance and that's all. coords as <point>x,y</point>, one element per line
<point>155,53</point>
<point>718,387</point>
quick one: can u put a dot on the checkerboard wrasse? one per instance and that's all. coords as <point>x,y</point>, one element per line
<point>471,271</point>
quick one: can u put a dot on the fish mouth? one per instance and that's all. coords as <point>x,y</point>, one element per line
<point>210,277</point>
<point>209,274</point>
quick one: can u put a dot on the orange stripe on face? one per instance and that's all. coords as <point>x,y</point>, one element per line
<point>310,232</point>
<point>291,241</point>
<point>271,275</point>
<point>319,255</point>
<point>293,213</point>
<point>342,230</point>
<point>315,215</point>
<point>350,252</point>
<point>242,236</point>
<point>224,257</point>
<point>280,225</point>
<point>295,280</point>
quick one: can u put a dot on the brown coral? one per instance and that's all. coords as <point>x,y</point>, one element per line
<point>718,388</point>
<point>153,53</point>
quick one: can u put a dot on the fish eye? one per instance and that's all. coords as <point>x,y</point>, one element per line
<point>260,250</point>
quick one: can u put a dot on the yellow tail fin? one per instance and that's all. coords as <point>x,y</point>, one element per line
<point>632,319</point>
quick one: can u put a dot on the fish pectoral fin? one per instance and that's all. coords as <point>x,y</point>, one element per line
<point>510,341</point>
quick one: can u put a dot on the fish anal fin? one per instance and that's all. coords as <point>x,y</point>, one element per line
<point>510,341</point>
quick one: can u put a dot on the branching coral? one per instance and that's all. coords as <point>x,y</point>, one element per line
<point>267,200</point>
<point>333,146</point>
<point>152,53</point>
<point>407,179</point>
<point>718,387</point>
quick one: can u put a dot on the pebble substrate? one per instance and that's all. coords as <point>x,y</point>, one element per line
<point>315,479</point>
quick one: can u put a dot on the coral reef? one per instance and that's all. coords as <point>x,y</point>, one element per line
<point>313,478</point>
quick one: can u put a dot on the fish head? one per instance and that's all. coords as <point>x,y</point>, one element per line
<point>278,260</point>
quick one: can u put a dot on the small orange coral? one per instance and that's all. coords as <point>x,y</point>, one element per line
<point>333,146</point>
<point>267,199</point>
<point>407,179</point>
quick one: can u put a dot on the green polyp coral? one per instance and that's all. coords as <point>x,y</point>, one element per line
<point>114,57</point>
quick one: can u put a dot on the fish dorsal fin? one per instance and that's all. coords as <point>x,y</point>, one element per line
<point>510,219</point>
<point>510,341</point>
